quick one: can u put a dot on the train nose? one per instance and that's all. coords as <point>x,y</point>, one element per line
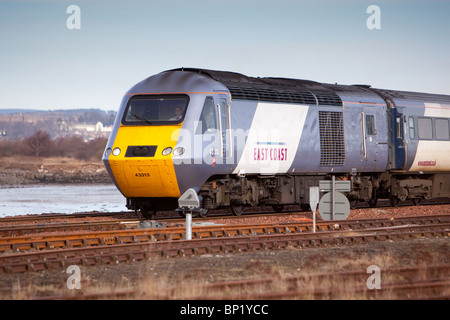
<point>141,172</point>
<point>139,160</point>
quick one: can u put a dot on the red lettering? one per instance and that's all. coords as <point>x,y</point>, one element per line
<point>427,163</point>
<point>275,154</point>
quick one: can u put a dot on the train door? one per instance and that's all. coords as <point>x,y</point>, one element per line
<point>207,131</point>
<point>398,139</point>
<point>370,137</point>
<point>224,113</point>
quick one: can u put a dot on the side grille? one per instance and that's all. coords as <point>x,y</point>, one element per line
<point>332,145</point>
<point>328,99</point>
<point>270,95</point>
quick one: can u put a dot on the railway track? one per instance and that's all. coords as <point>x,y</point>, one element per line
<point>217,214</point>
<point>164,243</point>
<point>118,233</point>
<point>21,230</point>
<point>400,283</point>
<point>423,283</point>
<point>54,216</point>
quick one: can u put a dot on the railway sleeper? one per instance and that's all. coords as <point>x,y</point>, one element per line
<point>87,261</point>
<point>212,250</point>
<point>138,256</point>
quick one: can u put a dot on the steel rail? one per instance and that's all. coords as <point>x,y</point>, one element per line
<point>168,249</point>
<point>218,215</point>
<point>409,272</point>
<point>19,230</point>
<point>388,289</point>
<point>323,285</point>
<point>401,279</point>
<point>121,236</point>
<point>55,216</point>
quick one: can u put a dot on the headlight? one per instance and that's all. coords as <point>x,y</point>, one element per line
<point>178,151</point>
<point>167,151</point>
<point>116,151</point>
<point>108,152</point>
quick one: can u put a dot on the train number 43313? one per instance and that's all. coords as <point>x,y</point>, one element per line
<point>142,174</point>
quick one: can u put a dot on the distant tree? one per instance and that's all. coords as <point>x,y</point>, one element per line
<point>69,146</point>
<point>9,148</point>
<point>96,148</point>
<point>39,144</point>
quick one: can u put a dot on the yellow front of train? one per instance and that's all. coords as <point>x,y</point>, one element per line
<point>139,153</point>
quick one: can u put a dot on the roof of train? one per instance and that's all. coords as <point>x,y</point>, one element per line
<point>272,89</point>
<point>309,92</point>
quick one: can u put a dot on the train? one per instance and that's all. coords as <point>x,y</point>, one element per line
<point>244,141</point>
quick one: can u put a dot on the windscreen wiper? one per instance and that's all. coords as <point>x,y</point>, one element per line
<point>140,118</point>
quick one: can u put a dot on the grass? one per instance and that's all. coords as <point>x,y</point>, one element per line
<point>34,164</point>
<point>258,280</point>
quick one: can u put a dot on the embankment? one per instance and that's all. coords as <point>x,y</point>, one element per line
<point>30,170</point>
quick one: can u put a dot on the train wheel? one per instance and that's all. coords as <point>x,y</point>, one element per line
<point>416,201</point>
<point>203,213</point>
<point>148,214</point>
<point>394,201</point>
<point>373,202</point>
<point>278,207</point>
<point>236,209</point>
<point>305,207</point>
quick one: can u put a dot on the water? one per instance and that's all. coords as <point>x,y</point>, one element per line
<point>38,199</point>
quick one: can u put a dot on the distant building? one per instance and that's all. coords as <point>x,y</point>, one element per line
<point>90,131</point>
<point>87,123</point>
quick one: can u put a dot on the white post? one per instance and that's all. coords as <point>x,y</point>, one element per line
<point>333,196</point>
<point>313,201</point>
<point>189,226</point>
<point>314,221</point>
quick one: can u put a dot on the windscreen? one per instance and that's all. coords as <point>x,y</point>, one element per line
<point>155,110</point>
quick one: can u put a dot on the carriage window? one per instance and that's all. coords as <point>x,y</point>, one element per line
<point>442,132</point>
<point>155,110</point>
<point>412,129</point>
<point>207,121</point>
<point>370,124</point>
<point>425,128</point>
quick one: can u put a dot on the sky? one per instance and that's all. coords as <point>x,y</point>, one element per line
<point>46,65</point>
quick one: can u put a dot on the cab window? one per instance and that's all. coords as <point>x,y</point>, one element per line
<point>370,125</point>
<point>155,110</point>
<point>207,121</point>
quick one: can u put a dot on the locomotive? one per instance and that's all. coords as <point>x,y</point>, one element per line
<point>249,141</point>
